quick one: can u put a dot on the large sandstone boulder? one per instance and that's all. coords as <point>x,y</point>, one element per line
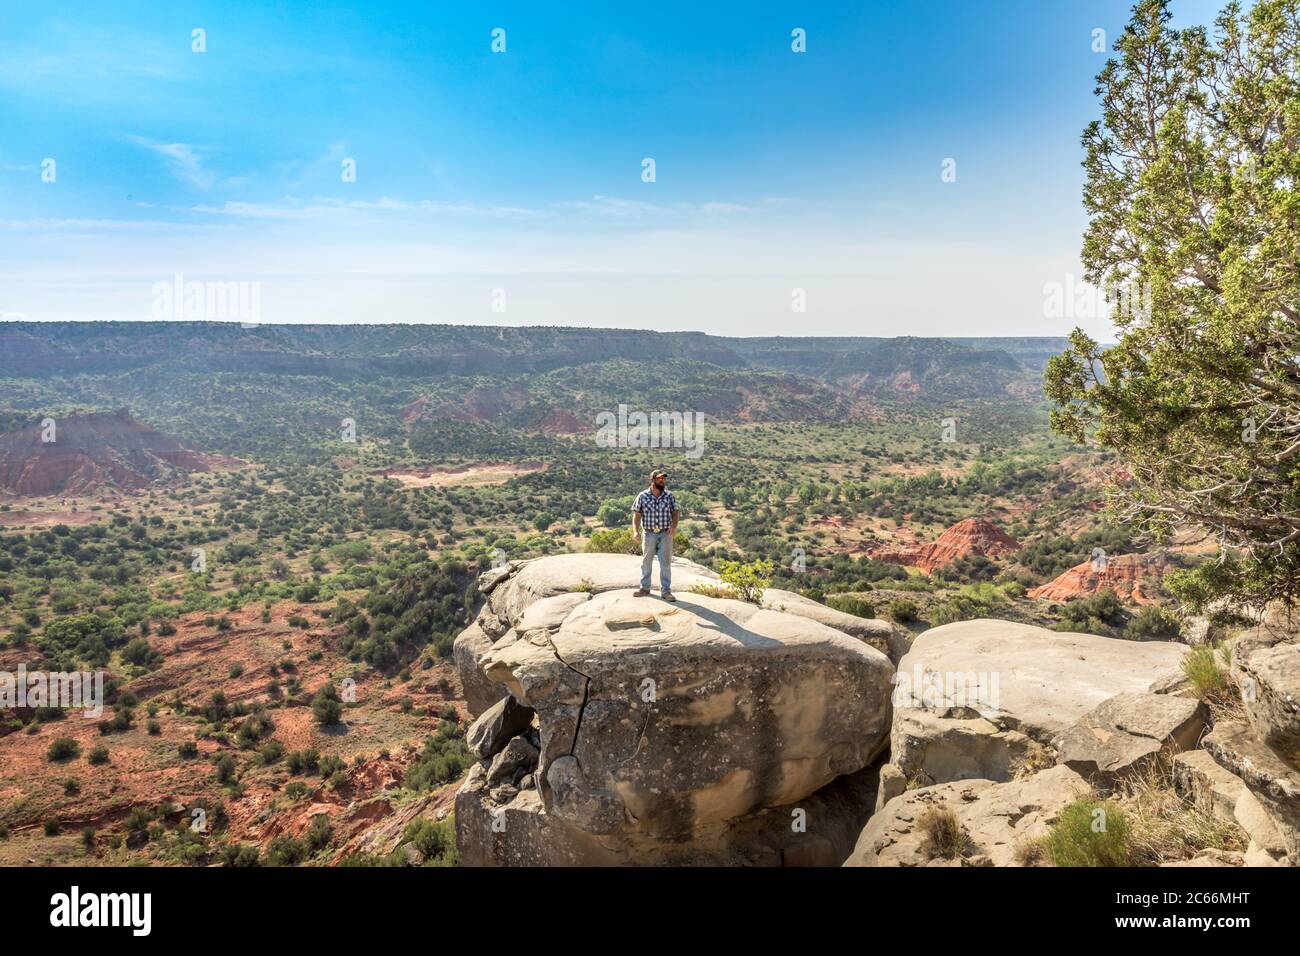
<point>1125,735</point>
<point>660,718</point>
<point>480,693</point>
<point>674,731</point>
<point>1013,677</point>
<point>996,819</point>
<point>1266,667</point>
<point>1272,782</point>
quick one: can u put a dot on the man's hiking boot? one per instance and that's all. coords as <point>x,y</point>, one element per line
<point>640,592</point>
<point>669,596</point>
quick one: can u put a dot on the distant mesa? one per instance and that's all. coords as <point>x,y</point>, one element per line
<point>94,451</point>
<point>1135,579</point>
<point>968,536</point>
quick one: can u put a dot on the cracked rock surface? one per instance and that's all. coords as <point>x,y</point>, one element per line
<point>674,730</point>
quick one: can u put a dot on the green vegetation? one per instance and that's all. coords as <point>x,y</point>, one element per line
<point>851,605</point>
<point>746,580</point>
<point>971,602</point>
<point>62,749</point>
<point>435,840</point>
<point>326,707</point>
<point>1192,231</point>
<point>444,759</point>
<point>1089,832</point>
<point>1206,671</point>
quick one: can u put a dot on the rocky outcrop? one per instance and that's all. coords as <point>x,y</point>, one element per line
<point>929,748</point>
<point>996,820</point>
<point>970,536</point>
<point>479,692</point>
<point>511,827</point>
<point>1263,751</point>
<point>1128,734</point>
<point>1199,779</point>
<point>709,730</point>
<point>1266,667</point>
<point>974,695</point>
<point>91,451</point>
<point>1273,782</point>
<point>1135,579</point>
<point>497,726</point>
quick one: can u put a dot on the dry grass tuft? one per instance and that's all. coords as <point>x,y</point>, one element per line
<point>944,836</point>
<point>1037,757</point>
<point>1165,827</point>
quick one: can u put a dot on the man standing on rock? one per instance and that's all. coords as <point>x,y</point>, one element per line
<point>654,521</point>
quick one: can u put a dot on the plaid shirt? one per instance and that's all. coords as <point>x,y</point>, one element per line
<point>656,510</point>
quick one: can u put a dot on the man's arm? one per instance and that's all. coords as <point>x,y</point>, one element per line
<point>636,516</point>
<point>676,514</point>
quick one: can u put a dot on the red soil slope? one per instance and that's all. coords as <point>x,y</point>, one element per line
<point>93,451</point>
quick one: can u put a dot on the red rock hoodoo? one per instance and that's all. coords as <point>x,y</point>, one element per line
<point>1135,579</point>
<point>968,536</point>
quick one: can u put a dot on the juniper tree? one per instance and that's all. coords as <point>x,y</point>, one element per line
<point>1194,232</point>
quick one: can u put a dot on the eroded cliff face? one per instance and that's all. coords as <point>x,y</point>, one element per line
<point>1135,579</point>
<point>705,731</point>
<point>970,536</point>
<point>93,451</point>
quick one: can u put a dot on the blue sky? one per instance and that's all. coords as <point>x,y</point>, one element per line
<point>515,178</point>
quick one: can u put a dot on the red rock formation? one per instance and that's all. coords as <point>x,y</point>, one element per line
<point>91,451</point>
<point>1133,577</point>
<point>560,422</point>
<point>968,536</point>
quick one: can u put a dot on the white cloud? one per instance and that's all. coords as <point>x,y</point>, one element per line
<point>182,160</point>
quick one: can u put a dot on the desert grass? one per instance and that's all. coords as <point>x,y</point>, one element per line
<point>1145,822</point>
<point>1090,832</point>
<point>713,591</point>
<point>943,833</point>
<point>1206,668</point>
<point>1165,827</point>
<point>1037,757</point>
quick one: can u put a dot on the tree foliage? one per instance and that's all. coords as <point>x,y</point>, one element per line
<point>1194,232</point>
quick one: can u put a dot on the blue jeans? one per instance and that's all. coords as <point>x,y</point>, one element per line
<point>660,543</point>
